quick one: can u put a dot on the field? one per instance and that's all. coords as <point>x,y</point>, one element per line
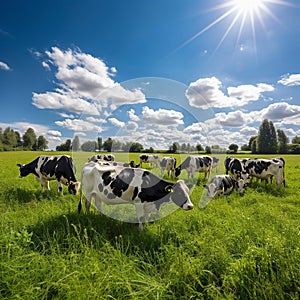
<point>243,247</point>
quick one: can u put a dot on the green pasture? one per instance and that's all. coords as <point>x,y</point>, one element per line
<point>243,247</point>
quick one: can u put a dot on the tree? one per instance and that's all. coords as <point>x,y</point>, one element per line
<point>42,143</point>
<point>233,147</point>
<point>296,140</point>
<point>9,139</point>
<point>283,141</point>
<point>89,146</point>
<point>65,146</point>
<point>199,148</point>
<point>99,140</point>
<point>208,150</point>
<point>174,147</point>
<point>136,147</point>
<point>76,144</point>
<point>267,138</point>
<point>254,146</point>
<point>252,138</point>
<point>107,145</point>
<point>29,139</point>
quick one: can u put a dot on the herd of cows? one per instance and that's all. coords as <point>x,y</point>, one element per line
<point>111,182</point>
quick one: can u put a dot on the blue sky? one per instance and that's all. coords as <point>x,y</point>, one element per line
<point>155,71</point>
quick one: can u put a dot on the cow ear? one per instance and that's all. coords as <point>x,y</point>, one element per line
<point>205,186</point>
<point>169,188</point>
<point>19,165</point>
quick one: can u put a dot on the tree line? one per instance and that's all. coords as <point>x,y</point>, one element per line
<point>267,141</point>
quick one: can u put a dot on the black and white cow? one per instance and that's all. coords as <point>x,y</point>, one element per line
<point>224,185</point>
<point>194,164</point>
<point>46,168</point>
<point>105,157</point>
<point>168,164</point>
<point>266,168</point>
<point>118,185</point>
<point>215,162</point>
<point>153,160</point>
<point>236,167</point>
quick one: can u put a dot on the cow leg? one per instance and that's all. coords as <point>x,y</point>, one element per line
<point>60,188</point>
<point>139,208</point>
<point>98,203</point>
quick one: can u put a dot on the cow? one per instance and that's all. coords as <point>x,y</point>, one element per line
<point>105,157</point>
<point>122,185</point>
<point>215,162</point>
<point>194,164</point>
<point>131,164</point>
<point>236,167</point>
<point>266,168</point>
<point>46,168</point>
<point>168,164</point>
<point>224,185</point>
<point>153,160</point>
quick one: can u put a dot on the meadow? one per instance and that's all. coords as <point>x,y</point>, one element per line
<point>243,247</point>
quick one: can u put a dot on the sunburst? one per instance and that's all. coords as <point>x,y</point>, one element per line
<point>241,12</point>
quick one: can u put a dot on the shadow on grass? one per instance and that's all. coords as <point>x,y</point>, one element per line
<point>77,233</point>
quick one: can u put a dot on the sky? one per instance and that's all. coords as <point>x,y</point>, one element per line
<point>155,72</point>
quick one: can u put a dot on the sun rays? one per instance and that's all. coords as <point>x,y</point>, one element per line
<point>244,14</point>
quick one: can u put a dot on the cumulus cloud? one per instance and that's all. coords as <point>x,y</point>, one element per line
<point>207,93</point>
<point>280,110</point>
<point>4,66</point>
<point>132,115</point>
<point>82,77</point>
<point>290,79</point>
<point>233,119</point>
<point>132,126</point>
<point>116,122</point>
<point>161,116</point>
<point>55,133</point>
<point>78,125</point>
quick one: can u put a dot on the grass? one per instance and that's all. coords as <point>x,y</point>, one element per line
<point>246,247</point>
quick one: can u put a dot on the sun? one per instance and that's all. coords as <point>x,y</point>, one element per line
<point>241,13</point>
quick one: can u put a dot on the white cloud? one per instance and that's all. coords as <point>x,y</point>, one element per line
<point>65,101</point>
<point>54,133</point>
<point>133,116</point>
<point>4,66</point>
<point>46,65</point>
<point>233,119</point>
<point>290,79</point>
<point>132,126</point>
<point>207,93</point>
<point>78,125</point>
<point>161,116</point>
<point>281,110</point>
<point>249,131</point>
<point>116,122</point>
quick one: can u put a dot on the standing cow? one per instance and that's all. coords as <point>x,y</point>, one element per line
<point>224,185</point>
<point>168,164</point>
<point>118,185</point>
<point>45,168</point>
<point>153,160</point>
<point>236,167</point>
<point>194,164</point>
<point>105,157</point>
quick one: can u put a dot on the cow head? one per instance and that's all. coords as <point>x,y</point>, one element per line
<point>241,185</point>
<point>23,170</point>
<point>180,195</point>
<point>73,187</point>
<point>177,171</point>
<point>212,189</point>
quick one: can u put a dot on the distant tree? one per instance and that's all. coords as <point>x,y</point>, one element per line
<point>107,145</point>
<point>76,144</point>
<point>267,138</point>
<point>254,146</point>
<point>233,147</point>
<point>296,140</point>
<point>245,147</point>
<point>174,147</point>
<point>29,139</point>
<point>199,148</point>
<point>183,147</point>
<point>9,139</point>
<point>89,146</point>
<point>208,150</point>
<point>42,143</point>
<point>99,141</point>
<point>19,139</point>
<point>136,147</point>
<point>151,150</point>
<point>1,140</point>
<point>283,141</point>
<point>252,138</point>
<point>65,146</point>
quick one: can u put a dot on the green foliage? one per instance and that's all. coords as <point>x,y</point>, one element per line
<point>30,140</point>
<point>243,247</point>
<point>267,139</point>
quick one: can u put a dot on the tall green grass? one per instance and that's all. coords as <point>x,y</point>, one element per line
<point>243,247</point>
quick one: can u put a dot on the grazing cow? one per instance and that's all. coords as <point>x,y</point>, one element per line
<point>224,185</point>
<point>118,185</point>
<point>266,168</point>
<point>105,157</point>
<point>168,164</point>
<point>60,168</point>
<point>215,162</point>
<point>153,160</point>
<point>195,164</point>
<point>236,167</point>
